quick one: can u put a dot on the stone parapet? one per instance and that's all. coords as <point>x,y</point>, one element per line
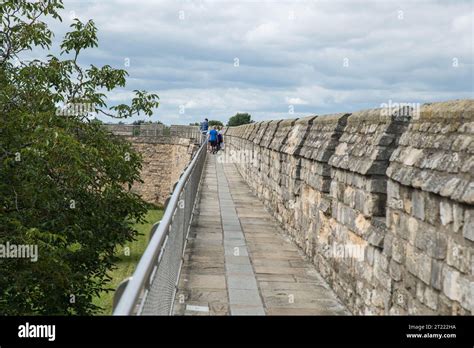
<point>381,202</point>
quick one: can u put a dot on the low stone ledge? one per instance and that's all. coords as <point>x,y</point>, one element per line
<point>435,154</point>
<point>269,134</point>
<point>261,132</point>
<point>297,135</point>
<point>281,134</point>
<point>395,188</point>
<point>368,141</point>
<point>323,137</point>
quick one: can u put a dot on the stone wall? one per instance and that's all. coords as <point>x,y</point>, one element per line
<point>382,202</point>
<point>164,159</point>
<point>154,130</point>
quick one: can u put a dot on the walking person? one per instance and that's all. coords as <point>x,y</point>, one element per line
<point>220,140</point>
<point>204,127</point>
<point>213,139</point>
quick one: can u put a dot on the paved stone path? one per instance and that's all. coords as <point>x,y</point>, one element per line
<point>238,261</point>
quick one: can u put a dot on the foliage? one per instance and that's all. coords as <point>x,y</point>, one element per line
<point>64,181</point>
<point>139,122</point>
<point>239,119</point>
<point>128,257</point>
<point>215,123</point>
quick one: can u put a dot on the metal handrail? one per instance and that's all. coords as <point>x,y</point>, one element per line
<point>140,280</point>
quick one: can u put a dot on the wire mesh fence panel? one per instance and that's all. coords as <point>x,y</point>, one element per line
<point>152,288</point>
<point>161,293</point>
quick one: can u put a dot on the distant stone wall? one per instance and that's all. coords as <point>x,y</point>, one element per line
<point>164,159</point>
<point>154,130</point>
<point>383,203</point>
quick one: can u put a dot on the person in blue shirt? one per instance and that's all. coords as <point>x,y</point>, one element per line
<point>204,126</point>
<point>213,139</point>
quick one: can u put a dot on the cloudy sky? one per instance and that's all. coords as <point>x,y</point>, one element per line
<point>281,59</point>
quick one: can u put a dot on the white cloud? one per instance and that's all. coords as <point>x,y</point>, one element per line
<point>296,101</point>
<point>290,52</point>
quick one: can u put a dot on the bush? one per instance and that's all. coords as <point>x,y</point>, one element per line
<point>239,119</point>
<point>64,181</point>
<point>215,123</point>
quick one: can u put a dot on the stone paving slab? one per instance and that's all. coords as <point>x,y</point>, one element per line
<point>238,261</point>
<point>245,297</point>
<point>204,281</point>
<point>247,310</point>
<point>233,268</point>
<point>209,236</point>
<point>241,282</point>
<point>275,278</point>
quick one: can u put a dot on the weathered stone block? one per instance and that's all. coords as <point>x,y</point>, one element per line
<point>350,196</point>
<point>424,267</point>
<point>436,274</point>
<point>420,289</point>
<point>395,271</point>
<point>381,298</point>
<point>364,272</point>
<point>411,260</point>
<point>393,190</point>
<point>430,298</point>
<point>418,203</point>
<point>377,185</point>
<point>445,305</point>
<point>468,228</point>
<point>381,261</point>
<point>451,283</point>
<point>409,229</point>
<point>369,254</point>
<point>458,217</point>
<point>387,244</point>
<point>410,282</point>
<point>432,242</point>
<point>400,298</point>
<point>432,210</point>
<point>459,256</point>
<point>467,293</point>
<point>398,250</point>
<point>417,308</point>
<point>445,212</point>
<point>361,225</point>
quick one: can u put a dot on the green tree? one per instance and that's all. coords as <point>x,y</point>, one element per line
<point>64,181</point>
<point>139,122</point>
<point>239,119</point>
<point>215,123</point>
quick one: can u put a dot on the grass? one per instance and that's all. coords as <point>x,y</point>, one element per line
<point>128,261</point>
